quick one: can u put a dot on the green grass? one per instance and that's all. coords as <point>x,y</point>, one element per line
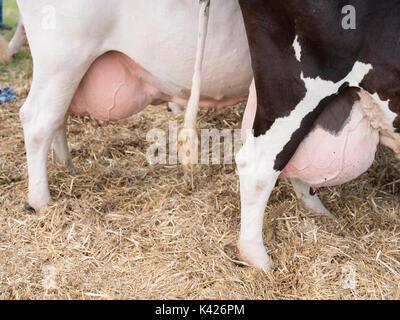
<point>21,65</point>
<point>10,17</point>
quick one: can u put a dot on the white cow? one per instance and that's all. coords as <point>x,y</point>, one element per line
<point>111,58</point>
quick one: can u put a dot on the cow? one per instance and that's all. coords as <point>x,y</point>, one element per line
<point>318,82</point>
<point>130,54</point>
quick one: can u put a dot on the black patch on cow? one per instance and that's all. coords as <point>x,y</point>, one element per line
<point>381,45</point>
<point>328,51</point>
<point>336,113</point>
<point>331,114</point>
<point>276,71</point>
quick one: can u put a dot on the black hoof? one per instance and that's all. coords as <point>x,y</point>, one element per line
<point>239,263</point>
<point>27,207</point>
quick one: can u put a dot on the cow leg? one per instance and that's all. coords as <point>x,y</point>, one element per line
<point>287,105</point>
<point>302,190</point>
<point>43,117</point>
<point>310,202</point>
<point>60,151</point>
<point>257,179</point>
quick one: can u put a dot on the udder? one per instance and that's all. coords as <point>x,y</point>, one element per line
<point>112,89</point>
<point>115,88</point>
<point>326,158</point>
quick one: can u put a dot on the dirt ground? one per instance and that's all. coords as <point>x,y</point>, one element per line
<point>123,229</point>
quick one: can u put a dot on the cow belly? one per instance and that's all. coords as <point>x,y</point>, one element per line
<point>112,89</point>
<point>328,159</point>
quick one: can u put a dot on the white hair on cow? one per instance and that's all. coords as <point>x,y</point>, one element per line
<point>4,51</point>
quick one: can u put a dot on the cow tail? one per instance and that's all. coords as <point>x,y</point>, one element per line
<point>188,140</point>
<point>193,105</point>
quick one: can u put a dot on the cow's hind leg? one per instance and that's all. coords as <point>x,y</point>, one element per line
<point>257,179</point>
<point>310,201</point>
<point>43,117</point>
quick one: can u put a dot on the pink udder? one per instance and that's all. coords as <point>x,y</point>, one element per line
<point>114,88</point>
<point>111,90</point>
<point>325,159</point>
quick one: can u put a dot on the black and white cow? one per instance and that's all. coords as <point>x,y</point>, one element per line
<point>317,86</point>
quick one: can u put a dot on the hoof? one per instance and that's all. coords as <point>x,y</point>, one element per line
<point>38,205</point>
<point>65,162</point>
<point>70,165</point>
<point>255,255</point>
<point>317,207</point>
<point>28,207</point>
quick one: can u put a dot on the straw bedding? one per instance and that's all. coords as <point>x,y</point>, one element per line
<point>123,229</point>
